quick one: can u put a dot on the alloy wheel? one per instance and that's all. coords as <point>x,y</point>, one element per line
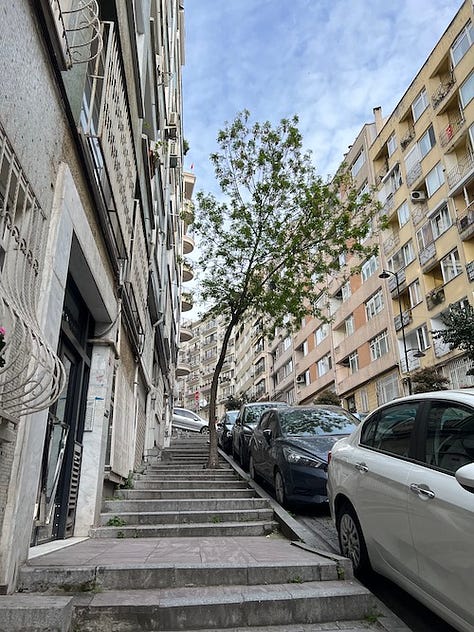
<point>350,540</point>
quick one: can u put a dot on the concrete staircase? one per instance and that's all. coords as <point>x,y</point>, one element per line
<point>195,550</point>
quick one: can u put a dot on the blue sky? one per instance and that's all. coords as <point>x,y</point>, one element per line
<point>328,61</point>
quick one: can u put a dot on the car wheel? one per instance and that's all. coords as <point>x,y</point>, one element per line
<point>351,539</point>
<point>279,486</point>
<point>204,430</point>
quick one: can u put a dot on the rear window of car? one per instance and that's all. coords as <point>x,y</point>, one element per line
<point>315,422</point>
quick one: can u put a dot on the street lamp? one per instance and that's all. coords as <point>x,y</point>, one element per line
<point>419,354</point>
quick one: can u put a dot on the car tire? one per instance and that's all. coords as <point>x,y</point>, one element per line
<point>279,486</point>
<point>204,430</point>
<point>351,539</point>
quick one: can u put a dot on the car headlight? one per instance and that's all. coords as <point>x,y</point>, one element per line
<point>302,459</point>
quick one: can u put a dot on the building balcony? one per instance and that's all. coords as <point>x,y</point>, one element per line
<point>182,370</point>
<point>414,174</point>
<point>435,297</point>
<point>444,89</point>
<point>465,223</point>
<point>461,173</point>
<point>185,334</point>
<point>428,257</point>
<point>188,272</point>
<point>186,302</point>
<point>470,270</point>
<point>449,134</point>
<point>390,242</point>
<point>403,320</point>
<point>402,282</point>
<point>188,244</point>
<point>407,138</point>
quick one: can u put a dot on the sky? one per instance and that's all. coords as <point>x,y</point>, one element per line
<point>328,61</point>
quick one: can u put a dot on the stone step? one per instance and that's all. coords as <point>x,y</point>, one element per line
<point>216,492</point>
<point>180,473</point>
<point>198,529</point>
<point>179,505</point>
<point>70,578</point>
<point>185,517</point>
<point>189,484</point>
<point>223,607</point>
<point>35,613</point>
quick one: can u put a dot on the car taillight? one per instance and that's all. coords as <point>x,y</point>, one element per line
<point>329,457</point>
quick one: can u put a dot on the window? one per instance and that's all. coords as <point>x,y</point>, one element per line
<point>354,362</point>
<point>434,179</point>
<point>466,91</point>
<point>391,145</point>
<point>412,159</point>
<point>369,267</point>
<point>391,431</point>
<point>379,346</point>
<point>364,399</point>
<point>349,325</point>
<point>324,365</point>
<point>414,290</point>
<point>346,290</point>
<point>387,389</point>
<point>403,213</point>
<point>440,221</point>
<point>358,164</point>
<point>342,259</point>
<point>321,333</point>
<point>419,105</point>
<point>402,257</point>
<point>462,43</point>
<point>427,141</point>
<point>374,305</point>
<point>287,343</point>
<point>450,266</point>
<point>424,236</point>
<point>408,252</point>
<point>364,189</point>
<point>449,437</point>
<point>422,338</point>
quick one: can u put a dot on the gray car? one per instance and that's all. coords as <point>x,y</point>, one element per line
<point>184,419</point>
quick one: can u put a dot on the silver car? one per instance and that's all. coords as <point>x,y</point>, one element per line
<point>401,492</point>
<point>185,419</point>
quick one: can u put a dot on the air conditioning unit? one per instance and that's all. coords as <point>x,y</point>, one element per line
<point>172,127</point>
<point>300,379</point>
<point>417,196</point>
<point>174,153</point>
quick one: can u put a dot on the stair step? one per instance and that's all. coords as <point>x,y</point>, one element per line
<point>189,484</point>
<point>187,517</point>
<point>179,493</point>
<point>179,505</point>
<point>223,607</point>
<point>198,529</point>
<point>35,613</point>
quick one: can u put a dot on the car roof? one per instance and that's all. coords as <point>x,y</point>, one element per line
<point>465,395</point>
<point>269,404</point>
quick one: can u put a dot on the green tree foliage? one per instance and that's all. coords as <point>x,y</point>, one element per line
<point>427,380</point>
<point>275,233</point>
<point>328,397</point>
<point>232,403</point>
<point>459,332</point>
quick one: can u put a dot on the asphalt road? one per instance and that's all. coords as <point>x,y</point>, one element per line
<point>412,612</point>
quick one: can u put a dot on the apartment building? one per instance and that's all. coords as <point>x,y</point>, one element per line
<point>92,238</point>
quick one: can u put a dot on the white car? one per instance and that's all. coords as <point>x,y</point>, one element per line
<point>401,493</point>
<point>185,419</point>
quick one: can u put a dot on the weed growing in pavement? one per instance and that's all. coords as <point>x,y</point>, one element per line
<point>295,580</point>
<point>116,521</point>
<point>89,586</point>
<point>341,574</point>
<point>216,519</point>
<point>372,616</point>
<point>120,534</point>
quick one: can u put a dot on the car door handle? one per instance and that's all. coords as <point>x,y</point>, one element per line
<point>423,490</point>
<point>362,467</point>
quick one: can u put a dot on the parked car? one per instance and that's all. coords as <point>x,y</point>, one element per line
<point>245,423</point>
<point>224,430</point>
<point>401,492</point>
<point>185,419</point>
<point>289,449</point>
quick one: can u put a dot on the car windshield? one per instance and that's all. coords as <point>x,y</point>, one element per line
<point>254,413</point>
<point>316,421</point>
<point>230,417</point>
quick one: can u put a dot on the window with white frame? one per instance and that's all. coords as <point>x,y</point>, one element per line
<point>402,257</point>
<point>358,163</point>
<point>364,189</point>
<point>349,325</point>
<point>427,141</point>
<point>354,362</point>
<point>342,259</point>
<point>374,305</point>
<point>387,389</point>
<point>424,236</point>
<point>419,105</point>
<point>408,252</point>
<point>346,290</point>
<point>403,213</point>
<point>422,338</point>
<point>440,221</point>
<point>412,158</point>
<point>369,268</point>
<point>379,346</point>
<point>414,291</point>
<point>364,400</point>
<point>462,43</point>
<point>324,365</point>
<point>287,343</point>
<point>451,266</point>
<point>434,179</point>
<point>321,333</point>
<point>466,91</point>
<point>304,348</point>
<point>391,144</point>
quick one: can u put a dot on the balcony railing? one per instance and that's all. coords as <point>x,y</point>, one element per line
<point>404,320</point>
<point>402,279</point>
<point>390,243</point>
<point>444,88</point>
<point>462,169</point>
<point>428,255</point>
<point>435,297</point>
<point>414,173</point>
<point>450,131</point>
<point>465,222</point>
<point>470,270</point>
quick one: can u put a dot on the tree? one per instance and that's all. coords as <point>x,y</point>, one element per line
<point>328,397</point>
<point>278,231</point>
<point>232,403</point>
<point>459,332</point>
<point>428,379</point>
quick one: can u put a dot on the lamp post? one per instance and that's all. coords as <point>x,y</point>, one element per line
<point>385,275</point>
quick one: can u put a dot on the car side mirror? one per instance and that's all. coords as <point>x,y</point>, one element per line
<point>465,477</point>
<point>238,422</point>
<point>268,434</point>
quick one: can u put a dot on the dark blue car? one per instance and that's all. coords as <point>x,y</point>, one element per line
<point>289,449</point>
